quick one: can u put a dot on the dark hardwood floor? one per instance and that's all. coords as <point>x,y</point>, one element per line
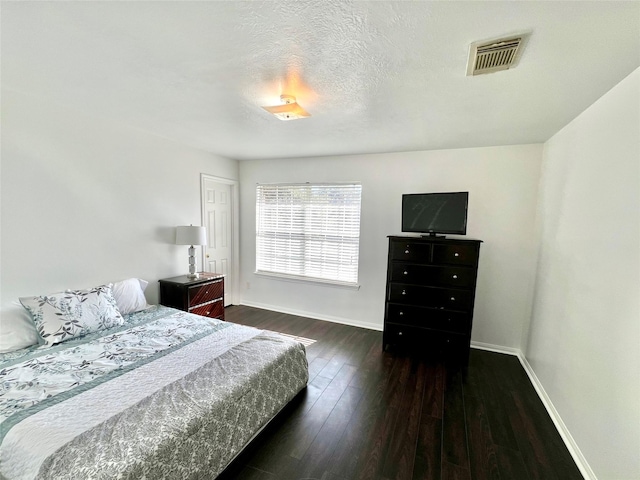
<point>369,414</point>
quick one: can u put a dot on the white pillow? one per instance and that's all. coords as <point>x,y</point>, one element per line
<point>62,316</point>
<point>129,295</point>
<point>17,330</point>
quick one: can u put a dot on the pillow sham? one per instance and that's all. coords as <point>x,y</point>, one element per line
<point>129,295</point>
<point>62,316</point>
<point>16,329</point>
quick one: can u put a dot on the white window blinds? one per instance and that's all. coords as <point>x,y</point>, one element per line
<point>309,230</point>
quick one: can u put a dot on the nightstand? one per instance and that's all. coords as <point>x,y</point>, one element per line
<point>202,296</point>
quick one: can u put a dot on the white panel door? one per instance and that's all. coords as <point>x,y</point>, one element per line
<point>216,203</point>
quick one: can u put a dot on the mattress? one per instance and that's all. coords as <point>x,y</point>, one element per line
<point>168,395</point>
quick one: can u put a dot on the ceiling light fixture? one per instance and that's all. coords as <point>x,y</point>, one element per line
<point>290,110</point>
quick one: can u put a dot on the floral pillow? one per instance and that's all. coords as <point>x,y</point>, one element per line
<point>62,316</point>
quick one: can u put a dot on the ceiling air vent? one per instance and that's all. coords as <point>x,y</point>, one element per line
<point>489,57</point>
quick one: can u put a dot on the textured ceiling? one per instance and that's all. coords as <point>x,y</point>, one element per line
<point>376,76</point>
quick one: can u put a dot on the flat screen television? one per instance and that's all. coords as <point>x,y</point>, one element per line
<point>433,213</point>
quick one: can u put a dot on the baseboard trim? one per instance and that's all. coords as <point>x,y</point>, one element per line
<point>315,316</point>
<point>567,438</point>
<point>494,348</point>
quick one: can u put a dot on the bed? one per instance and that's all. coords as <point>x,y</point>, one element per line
<point>165,394</point>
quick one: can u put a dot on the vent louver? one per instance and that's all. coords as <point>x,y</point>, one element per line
<point>493,56</point>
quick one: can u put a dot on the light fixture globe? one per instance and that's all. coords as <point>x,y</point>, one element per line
<point>289,110</point>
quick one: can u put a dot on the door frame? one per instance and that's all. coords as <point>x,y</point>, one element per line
<point>232,288</point>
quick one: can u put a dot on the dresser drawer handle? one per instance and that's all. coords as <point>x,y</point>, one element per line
<point>455,276</point>
<point>405,273</point>
<point>406,251</point>
<point>401,313</point>
<point>456,254</point>
<point>453,299</point>
<point>399,333</point>
<point>404,292</point>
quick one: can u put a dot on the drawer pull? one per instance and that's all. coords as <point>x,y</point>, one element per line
<point>456,254</point>
<point>405,273</point>
<point>406,251</point>
<point>399,333</point>
<point>453,299</point>
<point>401,313</point>
<point>404,292</point>
<point>455,276</point>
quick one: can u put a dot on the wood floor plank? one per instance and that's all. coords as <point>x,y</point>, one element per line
<point>317,460</point>
<point>353,447</point>
<point>402,449</point>
<point>318,414</point>
<point>510,464</point>
<point>427,464</point>
<point>378,440</point>
<point>454,427</point>
<point>482,450</point>
<point>250,473</point>
<point>455,472</point>
<point>315,367</point>
<point>486,381</point>
<point>434,391</point>
<point>363,342</point>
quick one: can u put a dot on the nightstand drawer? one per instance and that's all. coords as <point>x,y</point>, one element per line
<point>445,320</point>
<point>414,252</point>
<point>212,310</point>
<point>432,275</point>
<point>205,293</point>
<point>446,298</point>
<point>195,295</point>
<point>455,255</point>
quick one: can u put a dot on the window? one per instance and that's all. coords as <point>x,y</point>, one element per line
<point>309,231</point>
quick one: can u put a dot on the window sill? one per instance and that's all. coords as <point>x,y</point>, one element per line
<point>300,279</point>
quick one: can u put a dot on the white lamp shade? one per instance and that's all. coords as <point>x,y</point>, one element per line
<point>190,235</point>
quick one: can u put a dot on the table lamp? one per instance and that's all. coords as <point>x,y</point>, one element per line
<point>190,235</point>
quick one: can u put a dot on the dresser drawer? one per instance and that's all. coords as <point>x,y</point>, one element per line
<point>432,275</point>
<point>446,320</point>
<point>204,293</point>
<point>455,255</point>
<point>413,252</point>
<point>425,341</point>
<point>447,298</point>
<point>212,309</point>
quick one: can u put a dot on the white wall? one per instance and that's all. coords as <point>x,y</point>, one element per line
<point>584,339</point>
<point>502,182</point>
<point>85,201</point>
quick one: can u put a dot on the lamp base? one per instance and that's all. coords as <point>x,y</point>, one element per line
<point>192,263</point>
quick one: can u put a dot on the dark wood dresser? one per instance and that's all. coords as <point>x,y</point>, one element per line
<point>431,285</point>
<point>202,296</point>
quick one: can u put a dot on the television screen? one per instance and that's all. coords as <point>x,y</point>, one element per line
<point>435,213</point>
